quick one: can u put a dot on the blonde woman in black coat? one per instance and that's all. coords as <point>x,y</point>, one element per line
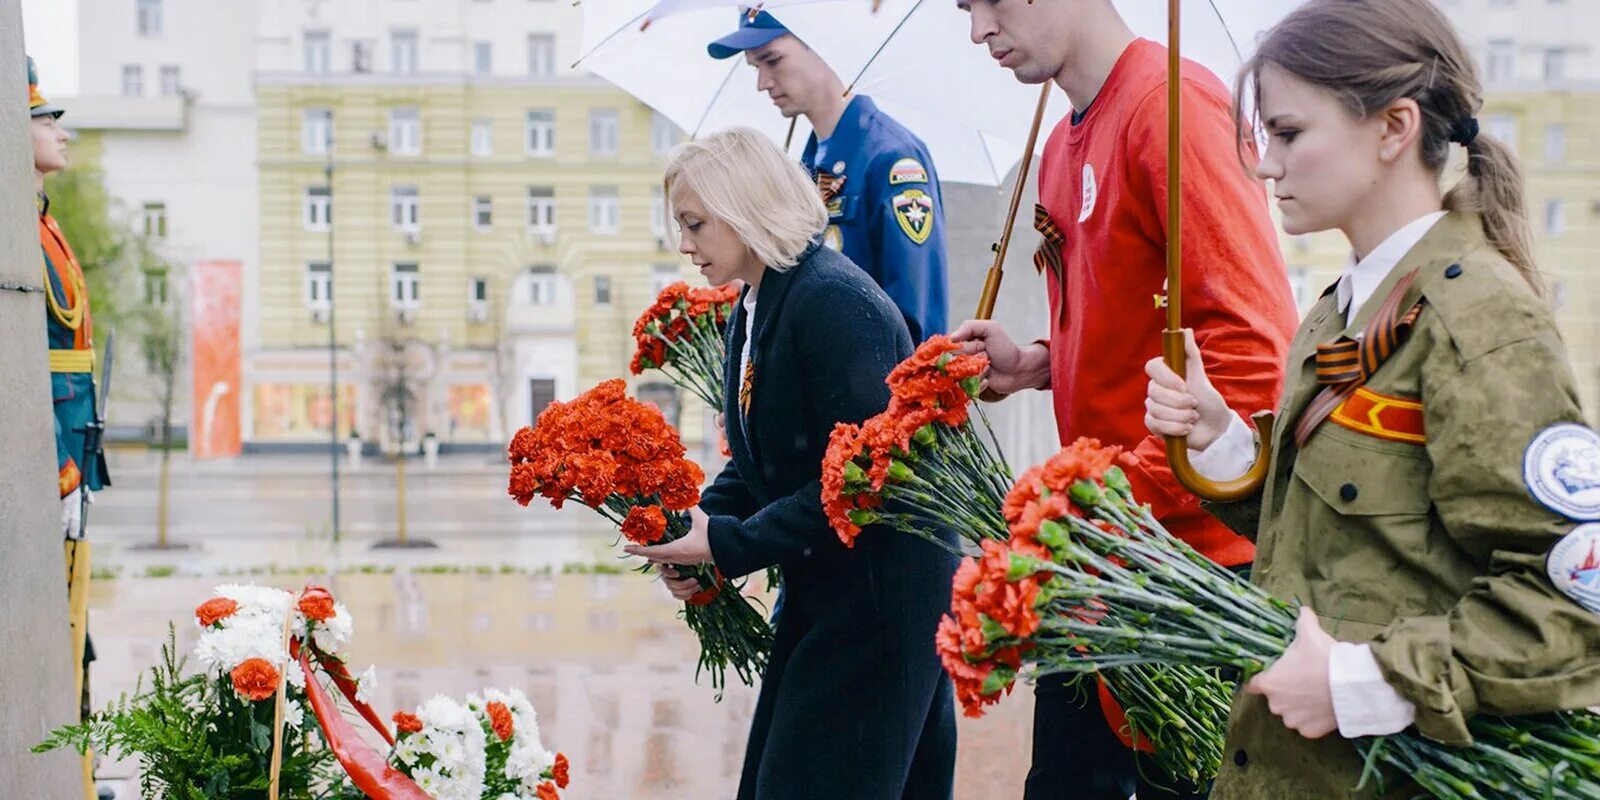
<point>854,702</point>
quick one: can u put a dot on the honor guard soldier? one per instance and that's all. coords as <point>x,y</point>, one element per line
<point>69,323</point>
<point>80,463</point>
<point>882,193</point>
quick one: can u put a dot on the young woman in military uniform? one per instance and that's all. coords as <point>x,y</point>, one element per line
<point>1430,472</point>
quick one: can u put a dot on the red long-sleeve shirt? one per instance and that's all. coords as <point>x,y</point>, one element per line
<point>1103,182</point>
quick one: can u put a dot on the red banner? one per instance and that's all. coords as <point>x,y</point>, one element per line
<point>215,310</point>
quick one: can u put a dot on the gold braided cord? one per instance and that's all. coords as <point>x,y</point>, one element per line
<point>71,317</point>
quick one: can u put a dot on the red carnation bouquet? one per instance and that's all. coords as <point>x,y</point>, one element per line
<point>1091,582</point>
<point>922,464</point>
<point>619,457</point>
<point>682,334</point>
<point>1007,608</point>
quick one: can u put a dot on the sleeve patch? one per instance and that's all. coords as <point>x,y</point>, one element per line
<point>913,209</point>
<point>1574,566</point>
<point>1562,471</point>
<point>907,170</point>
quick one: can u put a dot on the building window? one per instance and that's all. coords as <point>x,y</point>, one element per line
<point>155,220</point>
<point>1555,144</point>
<point>318,208</point>
<point>663,134</point>
<point>404,207</point>
<point>360,56</point>
<point>155,287</point>
<point>541,54</point>
<point>665,397</point>
<point>605,210</point>
<point>542,132</point>
<point>170,84</point>
<point>405,293</point>
<point>1504,128</point>
<point>316,130</point>
<point>542,285</point>
<point>482,58</point>
<point>662,276</point>
<point>1502,59</point>
<point>541,393</point>
<point>605,129</point>
<point>542,208</point>
<point>132,80</point>
<point>482,212</point>
<point>1555,65</point>
<point>478,299</point>
<point>319,55</point>
<point>602,290</point>
<point>405,131</point>
<point>403,52</point>
<point>319,285</point>
<point>1555,217</point>
<point>149,17</point>
<point>482,137</point>
<point>658,213</point>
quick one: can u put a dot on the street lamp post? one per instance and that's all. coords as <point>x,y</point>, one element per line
<point>333,343</point>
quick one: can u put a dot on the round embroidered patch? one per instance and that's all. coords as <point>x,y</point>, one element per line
<point>1562,471</point>
<point>1574,566</point>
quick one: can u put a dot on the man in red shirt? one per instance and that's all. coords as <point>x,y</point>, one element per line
<point>1103,217</point>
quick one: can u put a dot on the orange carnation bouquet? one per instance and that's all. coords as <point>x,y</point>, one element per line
<point>922,464</point>
<point>682,335</point>
<point>619,457</point>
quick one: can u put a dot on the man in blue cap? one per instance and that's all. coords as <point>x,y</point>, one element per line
<point>884,208</point>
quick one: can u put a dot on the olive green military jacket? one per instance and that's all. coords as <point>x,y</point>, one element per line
<point>1434,553</point>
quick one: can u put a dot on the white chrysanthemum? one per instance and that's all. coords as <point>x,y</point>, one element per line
<point>294,714</point>
<point>445,714</point>
<point>406,750</point>
<point>332,633</point>
<point>454,739</point>
<point>220,650</point>
<point>366,683</point>
<point>297,677</point>
<point>257,601</point>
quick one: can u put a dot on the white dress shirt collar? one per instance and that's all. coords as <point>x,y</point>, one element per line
<point>1363,277</point>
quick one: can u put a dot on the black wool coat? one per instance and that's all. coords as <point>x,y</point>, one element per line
<point>854,702</point>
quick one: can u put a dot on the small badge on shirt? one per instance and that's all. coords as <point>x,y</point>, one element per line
<point>1562,471</point>
<point>913,209</point>
<point>907,170</point>
<point>833,238</point>
<point>1574,566</point>
<point>1091,193</point>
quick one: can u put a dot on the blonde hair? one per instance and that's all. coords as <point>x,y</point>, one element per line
<point>1370,53</point>
<point>746,181</point>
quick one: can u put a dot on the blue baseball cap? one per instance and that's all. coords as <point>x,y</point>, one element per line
<point>753,32</point>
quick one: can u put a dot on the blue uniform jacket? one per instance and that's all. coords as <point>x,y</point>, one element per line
<point>886,213</point>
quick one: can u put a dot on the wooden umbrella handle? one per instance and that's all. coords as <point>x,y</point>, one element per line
<point>991,281</point>
<point>1172,339</point>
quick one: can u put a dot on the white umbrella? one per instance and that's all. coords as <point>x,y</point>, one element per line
<point>666,67</point>
<point>915,59</point>
<point>917,62</point>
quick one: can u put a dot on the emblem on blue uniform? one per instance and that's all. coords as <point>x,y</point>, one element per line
<point>907,170</point>
<point>1562,471</point>
<point>833,238</point>
<point>1574,566</point>
<point>913,209</point>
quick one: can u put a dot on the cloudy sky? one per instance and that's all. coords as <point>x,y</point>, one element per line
<point>50,31</point>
